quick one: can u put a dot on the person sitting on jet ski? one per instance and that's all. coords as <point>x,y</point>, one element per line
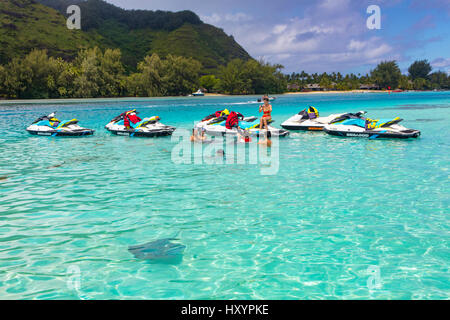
<point>267,116</point>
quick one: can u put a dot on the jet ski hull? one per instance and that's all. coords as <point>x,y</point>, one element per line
<point>294,127</point>
<point>147,134</point>
<point>375,135</point>
<point>64,132</point>
<point>150,131</point>
<point>253,133</point>
<point>399,132</point>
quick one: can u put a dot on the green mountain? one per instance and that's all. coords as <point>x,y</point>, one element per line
<point>29,24</point>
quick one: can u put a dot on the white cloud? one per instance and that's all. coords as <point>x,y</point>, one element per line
<point>377,52</point>
<point>441,64</point>
<point>333,5</point>
<point>279,28</point>
<point>310,43</point>
<point>356,45</point>
<point>321,35</point>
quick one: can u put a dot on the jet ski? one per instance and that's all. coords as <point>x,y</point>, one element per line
<point>309,120</point>
<point>129,124</point>
<point>218,124</point>
<point>51,126</point>
<point>373,129</point>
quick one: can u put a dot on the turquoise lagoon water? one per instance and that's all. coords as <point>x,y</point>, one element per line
<point>341,219</point>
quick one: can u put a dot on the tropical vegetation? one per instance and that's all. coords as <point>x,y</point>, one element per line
<point>29,24</point>
<point>97,73</point>
<point>386,75</point>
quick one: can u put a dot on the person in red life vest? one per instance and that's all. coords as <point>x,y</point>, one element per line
<point>266,108</point>
<point>130,116</point>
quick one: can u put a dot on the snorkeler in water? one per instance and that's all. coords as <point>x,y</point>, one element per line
<point>243,136</point>
<point>198,135</point>
<point>266,139</point>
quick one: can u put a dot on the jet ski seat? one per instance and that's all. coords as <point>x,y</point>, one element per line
<point>371,124</point>
<point>146,121</point>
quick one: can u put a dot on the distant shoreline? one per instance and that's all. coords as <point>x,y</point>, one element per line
<point>337,92</point>
<point>212,95</point>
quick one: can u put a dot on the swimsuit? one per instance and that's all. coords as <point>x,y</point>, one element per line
<point>267,114</point>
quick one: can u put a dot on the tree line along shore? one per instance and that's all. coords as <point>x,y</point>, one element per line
<point>101,74</point>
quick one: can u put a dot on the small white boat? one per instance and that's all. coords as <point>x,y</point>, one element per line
<point>199,93</point>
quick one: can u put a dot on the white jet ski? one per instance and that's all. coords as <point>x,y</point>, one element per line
<point>309,120</point>
<point>216,125</point>
<point>51,126</point>
<point>373,129</point>
<point>129,124</point>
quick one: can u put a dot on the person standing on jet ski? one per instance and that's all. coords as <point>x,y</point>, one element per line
<point>266,108</point>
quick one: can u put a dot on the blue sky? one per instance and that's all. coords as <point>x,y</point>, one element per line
<point>326,35</point>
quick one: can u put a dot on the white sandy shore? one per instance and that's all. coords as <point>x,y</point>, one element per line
<point>338,92</point>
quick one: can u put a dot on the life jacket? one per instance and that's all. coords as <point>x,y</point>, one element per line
<point>130,116</point>
<point>232,120</point>
<point>312,113</point>
<point>371,124</point>
<point>54,122</point>
<point>216,114</point>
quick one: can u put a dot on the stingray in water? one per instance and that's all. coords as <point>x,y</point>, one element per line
<point>162,250</point>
